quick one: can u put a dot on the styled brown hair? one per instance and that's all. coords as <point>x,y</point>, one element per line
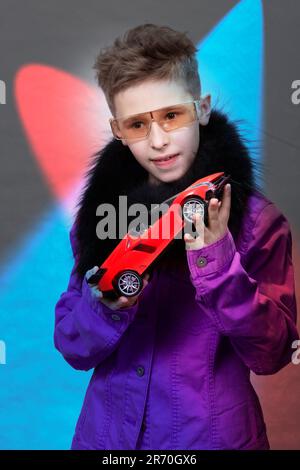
<point>147,52</point>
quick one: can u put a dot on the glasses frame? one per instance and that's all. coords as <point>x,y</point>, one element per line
<point>111,120</point>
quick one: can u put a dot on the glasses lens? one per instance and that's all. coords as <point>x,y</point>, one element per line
<point>176,117</point>
<point>135,127</point>
<point>170,118</point>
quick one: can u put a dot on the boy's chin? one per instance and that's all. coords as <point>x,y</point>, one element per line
<point>155,180</point>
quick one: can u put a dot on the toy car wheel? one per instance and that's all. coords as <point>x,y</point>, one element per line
<point>192,206</point>
<point>129,283</point>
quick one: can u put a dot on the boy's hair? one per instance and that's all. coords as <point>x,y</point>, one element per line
<point>147,52</point>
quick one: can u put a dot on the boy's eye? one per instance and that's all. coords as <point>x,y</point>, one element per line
<point>171,113</point>
<point>136,125</point>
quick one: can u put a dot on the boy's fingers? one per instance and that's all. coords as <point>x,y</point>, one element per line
<point>127,302</point>
<point>189,241</point>
<point>146,278</point>
<point>226,201</point>
<point>188,238</point>
<point>90,272</point>
<point>213,208</point>
<point>198,221</point>
<point>193,243</point>
<point>96,292</point>
<point>121,302</point>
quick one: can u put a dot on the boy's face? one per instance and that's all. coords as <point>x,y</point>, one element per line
<point>183,142</point>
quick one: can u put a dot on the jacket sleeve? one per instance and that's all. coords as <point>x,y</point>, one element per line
<point>252,301</point>
<point>87,331</point>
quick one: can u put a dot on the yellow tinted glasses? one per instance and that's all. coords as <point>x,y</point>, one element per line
<point>169,118</point>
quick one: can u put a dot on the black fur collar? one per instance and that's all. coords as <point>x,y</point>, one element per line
<point>114,171</point>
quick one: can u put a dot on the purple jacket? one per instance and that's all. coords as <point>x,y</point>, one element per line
<point>172,372</point>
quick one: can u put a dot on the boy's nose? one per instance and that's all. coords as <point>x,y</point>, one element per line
<point>158,136</point>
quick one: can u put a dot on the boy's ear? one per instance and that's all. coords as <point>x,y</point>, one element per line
<point>205,110</point>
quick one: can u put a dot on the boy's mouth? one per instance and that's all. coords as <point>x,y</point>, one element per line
<point>165,160</point>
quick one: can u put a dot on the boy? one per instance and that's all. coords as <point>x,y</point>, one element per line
<point>172,367</point>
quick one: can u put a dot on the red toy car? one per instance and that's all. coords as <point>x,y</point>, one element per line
<point>121,273</point>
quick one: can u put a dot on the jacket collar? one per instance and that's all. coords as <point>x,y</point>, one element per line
<point>114,171</point>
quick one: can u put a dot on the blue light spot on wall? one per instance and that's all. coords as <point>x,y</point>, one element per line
<point>231,59</point>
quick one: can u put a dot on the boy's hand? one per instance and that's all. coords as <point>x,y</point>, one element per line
<point>218,216</point>
<point>121,302</point>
